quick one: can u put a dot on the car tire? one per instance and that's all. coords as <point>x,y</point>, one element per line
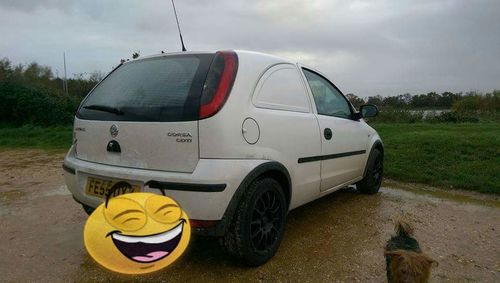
<point>374,173</point>
<point>258,224</point>
<point>88,209</point>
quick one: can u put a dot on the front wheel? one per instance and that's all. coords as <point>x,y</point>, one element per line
<point>374,172</point>
<point>258,224</point>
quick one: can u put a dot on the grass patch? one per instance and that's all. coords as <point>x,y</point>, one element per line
<point>465,156</point>
<point>49,138</point>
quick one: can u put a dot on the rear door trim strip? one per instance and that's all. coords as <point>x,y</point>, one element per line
<point>330,156</point>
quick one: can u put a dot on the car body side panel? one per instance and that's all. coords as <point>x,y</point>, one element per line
<point>285,136</point>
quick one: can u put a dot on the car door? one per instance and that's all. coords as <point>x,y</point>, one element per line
<point>288,127</point>
<point>343,140</point>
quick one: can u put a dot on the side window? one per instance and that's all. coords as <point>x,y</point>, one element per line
<point>281,88</point>
<point>329,101</point>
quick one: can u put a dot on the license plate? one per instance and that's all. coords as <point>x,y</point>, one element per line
<point>100,188</point>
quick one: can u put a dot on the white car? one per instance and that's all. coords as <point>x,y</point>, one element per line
<point>237,138</point>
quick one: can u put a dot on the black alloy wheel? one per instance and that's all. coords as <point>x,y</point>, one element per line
<point>257,227</point>
<point>374,173</point>
<point>266,221</point>
<point>378,170</point>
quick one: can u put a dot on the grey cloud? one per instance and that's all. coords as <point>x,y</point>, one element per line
<point>34,5</point>
<point>366,47</point>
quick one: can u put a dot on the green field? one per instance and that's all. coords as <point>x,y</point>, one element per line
<point>51,138</point>
<point>465,156</point>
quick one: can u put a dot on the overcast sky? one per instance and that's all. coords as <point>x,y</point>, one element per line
<point>365,47</point>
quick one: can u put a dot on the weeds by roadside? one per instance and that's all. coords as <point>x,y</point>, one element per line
<point>388,115</point>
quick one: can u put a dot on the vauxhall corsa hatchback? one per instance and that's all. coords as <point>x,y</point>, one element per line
<point>237,138</point>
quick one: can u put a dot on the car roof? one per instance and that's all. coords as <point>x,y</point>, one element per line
<point>245,53</point>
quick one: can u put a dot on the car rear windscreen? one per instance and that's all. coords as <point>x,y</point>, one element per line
<point>160,89</point>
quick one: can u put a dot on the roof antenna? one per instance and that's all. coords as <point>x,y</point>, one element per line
<point>178,27</point>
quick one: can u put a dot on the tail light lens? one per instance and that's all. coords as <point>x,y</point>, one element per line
<point>219,82</point>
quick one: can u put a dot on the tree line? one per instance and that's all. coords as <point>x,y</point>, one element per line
<point>470,101</point>
<point>32,94</point>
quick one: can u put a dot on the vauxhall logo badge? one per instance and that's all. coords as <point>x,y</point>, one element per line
<point>113,131</point>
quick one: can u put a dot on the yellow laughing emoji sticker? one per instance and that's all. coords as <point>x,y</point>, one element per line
<point>137,233</point>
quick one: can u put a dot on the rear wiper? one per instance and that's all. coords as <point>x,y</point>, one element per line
<point>104,108</point>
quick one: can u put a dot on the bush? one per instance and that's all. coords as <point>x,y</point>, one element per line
<point>453,117</point>
<point>29,94</point>
<point>438,116</point>
<point>398,116</point>
<point>24,105</point>
<point>488,103</point>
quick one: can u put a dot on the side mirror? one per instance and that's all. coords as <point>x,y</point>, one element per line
<point>368,110</point>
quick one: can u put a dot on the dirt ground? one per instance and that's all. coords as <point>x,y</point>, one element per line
<point>339,238</point>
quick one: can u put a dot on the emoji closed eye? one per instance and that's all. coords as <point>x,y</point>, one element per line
<point>132,218</point>
<point>166,209</point>
<point>163,210</point>
<point>126,215</point>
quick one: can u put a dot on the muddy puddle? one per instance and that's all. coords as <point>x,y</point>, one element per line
<point>339,238</point>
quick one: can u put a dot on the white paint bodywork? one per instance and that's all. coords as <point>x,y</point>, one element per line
<point>144,145</point>
<point>198,205</point>
<point>286,131</point>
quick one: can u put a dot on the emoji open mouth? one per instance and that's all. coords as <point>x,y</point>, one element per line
<point>150,248</point>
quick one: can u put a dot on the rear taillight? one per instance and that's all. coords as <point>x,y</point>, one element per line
<point>220,79</point>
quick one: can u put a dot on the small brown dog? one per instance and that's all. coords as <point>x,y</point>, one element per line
<point>404,259</point>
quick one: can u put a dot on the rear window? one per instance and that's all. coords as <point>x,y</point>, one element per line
<point>161,89</point>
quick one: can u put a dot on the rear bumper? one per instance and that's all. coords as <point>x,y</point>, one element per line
<point>204,194</point>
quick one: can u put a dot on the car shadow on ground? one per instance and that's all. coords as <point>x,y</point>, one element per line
<point>208,250</point>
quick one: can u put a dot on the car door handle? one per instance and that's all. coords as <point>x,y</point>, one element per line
<point>328,133</point>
